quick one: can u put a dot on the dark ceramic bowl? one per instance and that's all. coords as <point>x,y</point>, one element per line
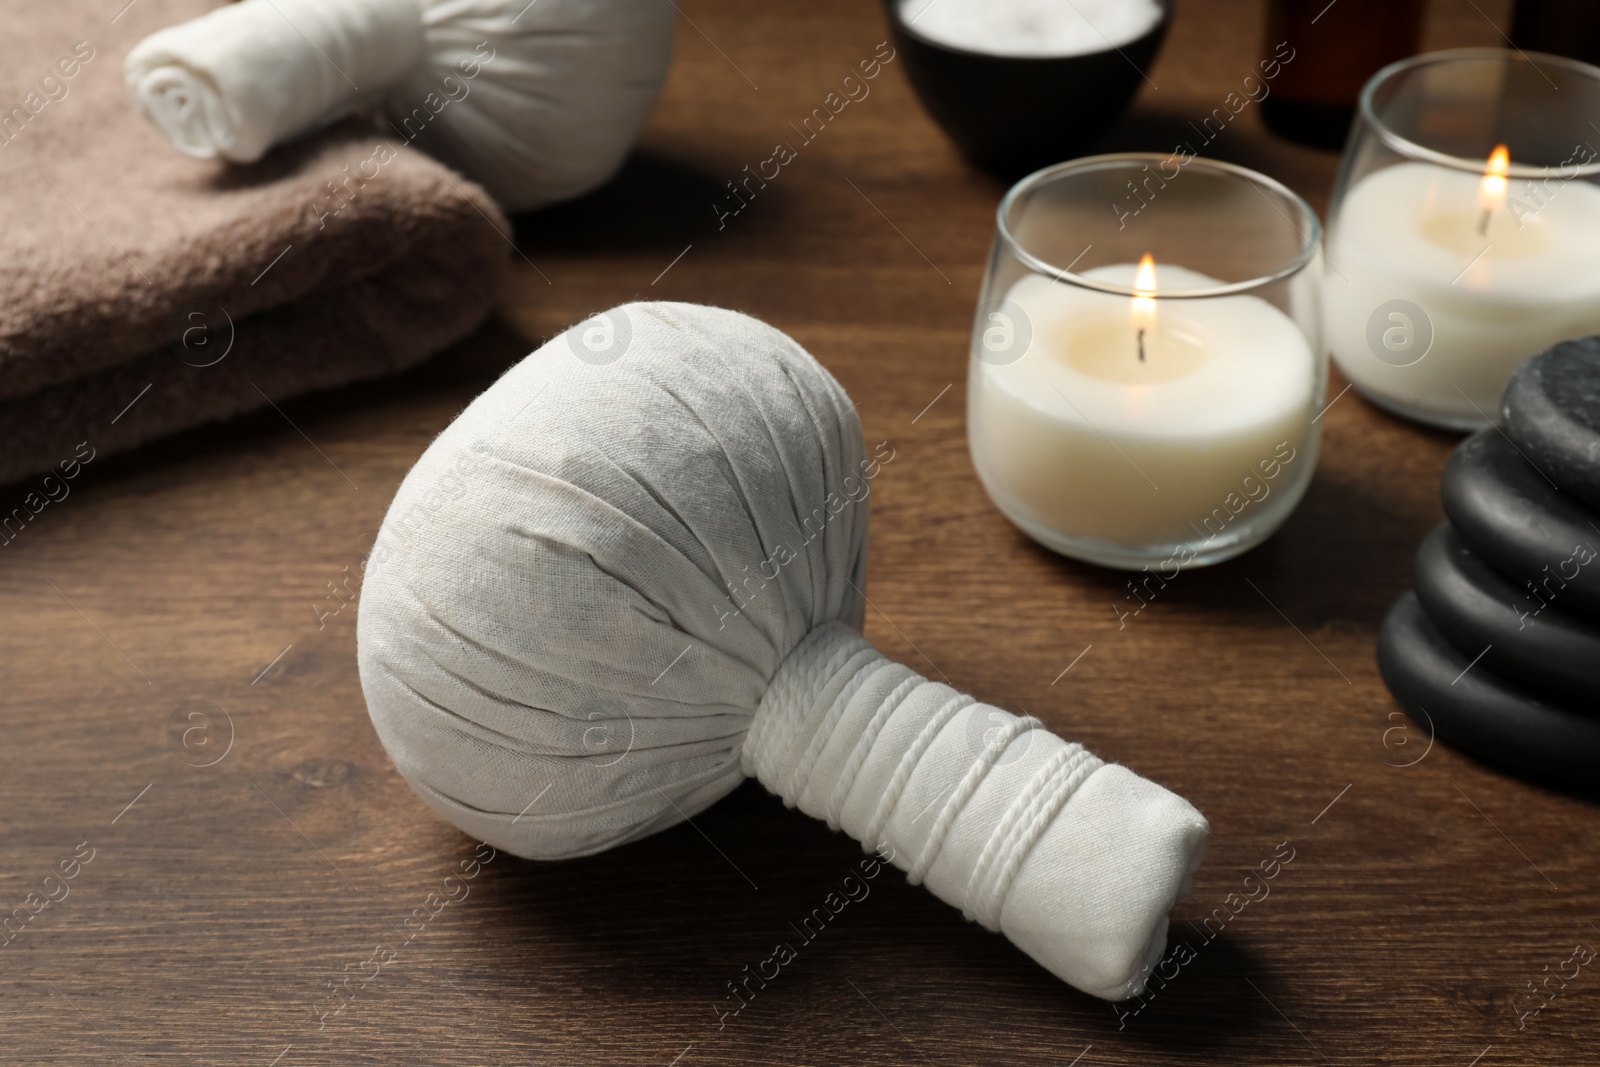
<point>1011,115</point>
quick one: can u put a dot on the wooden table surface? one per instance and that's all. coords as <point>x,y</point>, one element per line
<point>184,728</point>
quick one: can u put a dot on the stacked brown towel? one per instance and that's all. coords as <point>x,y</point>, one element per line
<point>143,292</point>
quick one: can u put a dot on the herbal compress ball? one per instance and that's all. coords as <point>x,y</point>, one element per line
<point>630,574</point>
<point>536,101</point>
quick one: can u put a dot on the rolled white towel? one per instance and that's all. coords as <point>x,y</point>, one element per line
<point>536,101</point>
<point>629,575</point>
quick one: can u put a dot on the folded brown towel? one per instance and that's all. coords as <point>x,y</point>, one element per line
<point>127,270</point>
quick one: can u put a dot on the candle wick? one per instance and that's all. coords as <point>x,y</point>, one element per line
<point>1483,223</point>
<point>1141,346</point>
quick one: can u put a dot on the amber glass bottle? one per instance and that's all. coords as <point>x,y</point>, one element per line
<point>1333,48</point>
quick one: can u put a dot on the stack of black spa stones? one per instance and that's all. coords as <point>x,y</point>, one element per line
<point>1497,650</point>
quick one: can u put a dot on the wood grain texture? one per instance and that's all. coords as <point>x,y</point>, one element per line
<point>176,611</point>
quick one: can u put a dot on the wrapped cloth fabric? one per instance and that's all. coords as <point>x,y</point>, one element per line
<point>537,100</point>
<point>124,265</point>
<point>630,574</point>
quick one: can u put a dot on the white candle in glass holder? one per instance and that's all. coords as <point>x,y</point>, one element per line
<point>1080,439</point>
<point>1501,271</point>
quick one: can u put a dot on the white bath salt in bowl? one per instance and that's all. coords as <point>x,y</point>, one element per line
<point>1037,28</point>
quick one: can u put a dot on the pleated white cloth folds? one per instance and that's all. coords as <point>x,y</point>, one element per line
<point>537,102</point>
<point>630,574</point>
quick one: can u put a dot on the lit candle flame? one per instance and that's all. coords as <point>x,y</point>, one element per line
<point>1143,312</point>
<point>1492,190</point>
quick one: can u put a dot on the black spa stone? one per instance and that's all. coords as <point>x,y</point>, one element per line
<point>1551,409</point>
<point>1545,541</point>
<point>1479,712</point>
<point>1522,639</point>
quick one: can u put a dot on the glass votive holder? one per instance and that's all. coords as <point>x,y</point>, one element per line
<point>1148,368</point>
<point>1464,232</point>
